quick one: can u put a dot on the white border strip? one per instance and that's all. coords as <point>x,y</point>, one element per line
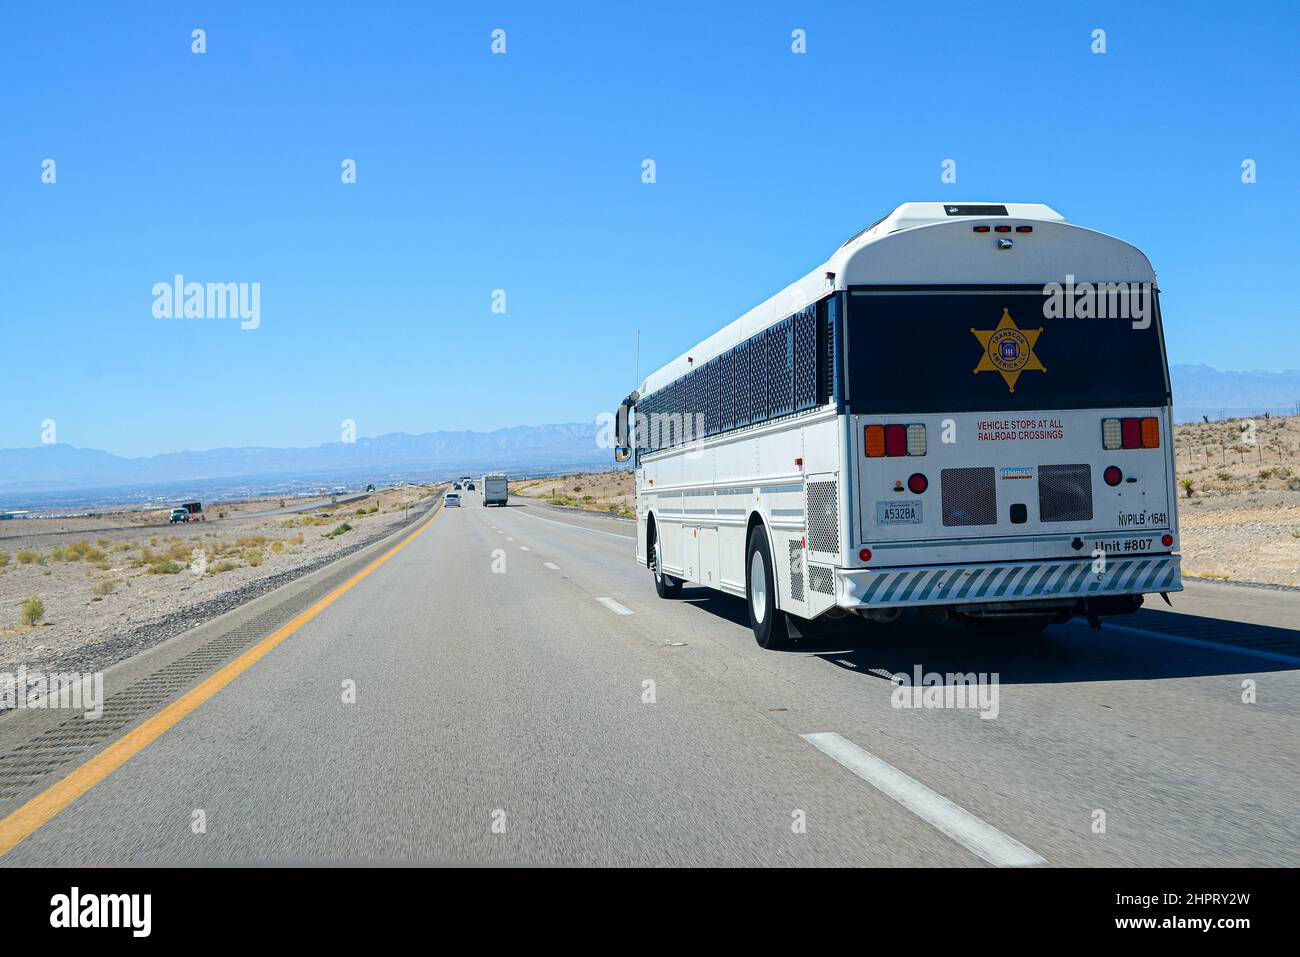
<point>963,827</point>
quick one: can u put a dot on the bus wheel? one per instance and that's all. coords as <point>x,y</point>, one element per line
<point>665,585</point>
<point>771,630</point>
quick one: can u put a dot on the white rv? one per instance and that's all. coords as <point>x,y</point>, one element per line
<point>495,488</point>
<point>966,407</point>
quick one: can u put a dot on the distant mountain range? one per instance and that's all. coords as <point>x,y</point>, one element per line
<point>526,449</point>
<point>1203,391</point>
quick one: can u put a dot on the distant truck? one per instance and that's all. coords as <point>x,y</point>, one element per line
<point>495,488</point>
<point>187,512</point>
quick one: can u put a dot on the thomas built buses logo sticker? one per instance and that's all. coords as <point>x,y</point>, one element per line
<point>1009,350</point>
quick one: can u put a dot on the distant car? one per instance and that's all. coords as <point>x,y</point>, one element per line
<point>179,515</point>
<point>470,486</point>
<point>451,499</point>
<point>370,487</point>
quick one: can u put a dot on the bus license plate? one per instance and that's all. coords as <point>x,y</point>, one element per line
<point>898,513</point>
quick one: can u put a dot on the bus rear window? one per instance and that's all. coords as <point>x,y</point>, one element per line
<point>978,349</point>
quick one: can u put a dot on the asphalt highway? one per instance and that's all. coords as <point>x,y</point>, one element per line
<point>522,696</point>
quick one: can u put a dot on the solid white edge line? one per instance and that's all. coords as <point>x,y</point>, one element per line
<point>1201,643</point>
<point>965,828</point>
<point>614,606</point>
<point>581,528</point>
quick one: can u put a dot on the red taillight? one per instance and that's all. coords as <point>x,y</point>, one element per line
<point>1024,229</point>
<point>918,483</point>
<point>981,229</point>
<point>1130,431</point>
<point>1112,475</point>
<point>1002,229</point>
<point>895,440</point>
<point>1166,540</point>
<point>865,555</point>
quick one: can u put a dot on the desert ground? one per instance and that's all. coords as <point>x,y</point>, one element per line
<point>1239,499</point>
<point>610,492</point>
<point>1239,519</point>
<point>77,591</point>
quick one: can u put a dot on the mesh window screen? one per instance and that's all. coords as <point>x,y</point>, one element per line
<point>1065,493</point>
<point>726,394</point>
<point>805,360</point>
<point>780,378</point>
<point>713,382</point>
<point>968,496</point>
<point>743,401</point>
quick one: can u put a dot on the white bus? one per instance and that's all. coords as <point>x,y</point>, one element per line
<point>966,407</point>
<point>496,488</point>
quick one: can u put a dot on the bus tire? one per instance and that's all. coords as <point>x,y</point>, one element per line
<point>771,630</point>
<point>665,585</point>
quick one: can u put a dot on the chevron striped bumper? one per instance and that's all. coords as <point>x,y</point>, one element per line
<point>1009,581</point>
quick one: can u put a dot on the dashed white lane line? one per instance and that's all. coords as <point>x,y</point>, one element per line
<point>965,828</point>
<point>524,548</point>
<point>614,606</point>
<point>552,566</point>
<point>581,528</point>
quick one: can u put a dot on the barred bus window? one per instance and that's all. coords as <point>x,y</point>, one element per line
<point>806,394</point>
<point>726,389</point>
<point>780,396</point>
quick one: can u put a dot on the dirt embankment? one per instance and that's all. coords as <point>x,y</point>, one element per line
<point>69,585</point>
<point>1239,499</point>
<point>608,492</point>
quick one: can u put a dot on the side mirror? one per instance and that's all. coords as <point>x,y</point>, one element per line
<point>623,432</point>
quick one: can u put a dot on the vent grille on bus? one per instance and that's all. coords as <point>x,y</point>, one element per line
<point>823,518</point>
<point>796,570</point>
<point>1065,493</point>
<point>821,579</point>
<point>969,496</point>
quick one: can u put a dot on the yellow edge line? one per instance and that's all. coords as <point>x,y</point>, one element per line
<point>50,802</point>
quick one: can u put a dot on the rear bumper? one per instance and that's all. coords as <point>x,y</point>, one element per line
<point>1005,581</point>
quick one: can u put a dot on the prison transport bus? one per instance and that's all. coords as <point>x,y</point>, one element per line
<point>965,409</point>
<point>496,488</point>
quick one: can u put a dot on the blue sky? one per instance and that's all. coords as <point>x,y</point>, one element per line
<point>523,172</point>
